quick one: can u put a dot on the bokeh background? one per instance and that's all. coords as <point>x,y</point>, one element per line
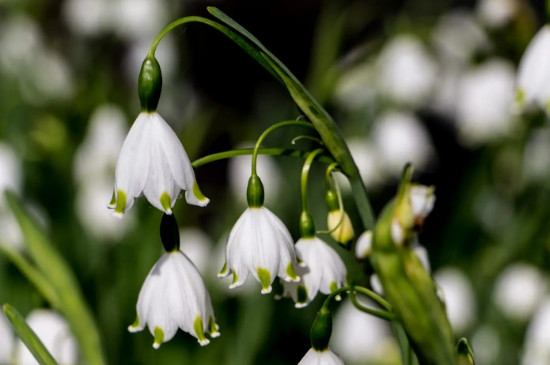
<point>431,82</point>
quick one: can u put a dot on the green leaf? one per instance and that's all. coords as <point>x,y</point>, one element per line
<point>56,271</point>
<point>29,338</point>
<point>32,274</point>
<point>323,122</point>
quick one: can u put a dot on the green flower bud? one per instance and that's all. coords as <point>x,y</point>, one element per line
<point>255,192</point>
<point>321,329</point>
<point>149,84</point>
<point>307,226</point>
<point>169,233</point>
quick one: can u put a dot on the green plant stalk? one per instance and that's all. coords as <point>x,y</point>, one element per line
<point>57,272</point>
<point>262,151</point>
<point>305,175</point>
<point>268,131</point>
<point>27,335</point>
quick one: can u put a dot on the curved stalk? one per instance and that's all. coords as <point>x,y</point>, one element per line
<point>305,174</point>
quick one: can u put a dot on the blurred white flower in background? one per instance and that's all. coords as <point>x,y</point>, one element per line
<point>366,160</point>
<point>11,176</point>
<point>497,13</point>
<point>519,290</point>
<point>536,156</point>
<point>42,73</point>
<point>239,170</point>
<point>359,337</point>
<point>486,345</point>
<point>399,138</point>
<point>87,17</point>
<point>7,340</point>
<point>536,350</point>
<point>457,37</point>
<point>137,19</point>
<point>484,102</point>
<point>405,72</point>
<point>459,297</point>
<point>533,73</point>
<point>197,245</point>
<point>93,167</point>
<point>353,90</point>
<point>54,332</point>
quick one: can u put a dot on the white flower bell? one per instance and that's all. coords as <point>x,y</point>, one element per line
<point>323,357</point>
<point>259,244</point>
<point>152,160</point>
<point>534,74</point>
<point>321,269</point>
<point>174,295</point>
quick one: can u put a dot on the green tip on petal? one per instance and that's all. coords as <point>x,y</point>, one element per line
<point>333,287</point>
<point>235,280</point>
<point>159,337</point>
<point>301,296</point>
<point>265,279</point>
<point>198,193</point>
<point>291,273</point>
<point>166,202</point>
<point>112,203</point>
<point>213,328</point>
<point>198,327</point>
<point>520,96</point>
<point>223,273</point>
<point>135,326</point>
<point>120,202</point>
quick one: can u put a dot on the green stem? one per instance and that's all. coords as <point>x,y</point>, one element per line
<point>262,151</point>
<point>386,314</point>
<point>305,174</point>
<point>375,312</point>
<point>271,129</point>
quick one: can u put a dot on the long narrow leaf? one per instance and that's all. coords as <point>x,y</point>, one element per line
<point>58,273</point>
<point>36,278</point>
<point>27,335</point>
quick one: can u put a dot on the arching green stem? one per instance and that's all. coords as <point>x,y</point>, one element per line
<point>311,138</point>
<point>271,129</point>
<point>328,184</point>
<point>305,175</point>
<point>386,314</point>
<point>262,151</point>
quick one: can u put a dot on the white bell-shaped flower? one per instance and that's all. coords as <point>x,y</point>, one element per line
<point>324,357</point>
<point>174,296</point>
<point>321,269</point>
<point>534,74</point>
<point>153,162</point>
<point>259,244</point>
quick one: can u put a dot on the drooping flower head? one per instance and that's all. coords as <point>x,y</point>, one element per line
<point>259,244</point>
<point>338,221</point>
<point>321,268</point>
<point>152,160</point>
<point>174,295</point>
<point>324,357</point>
